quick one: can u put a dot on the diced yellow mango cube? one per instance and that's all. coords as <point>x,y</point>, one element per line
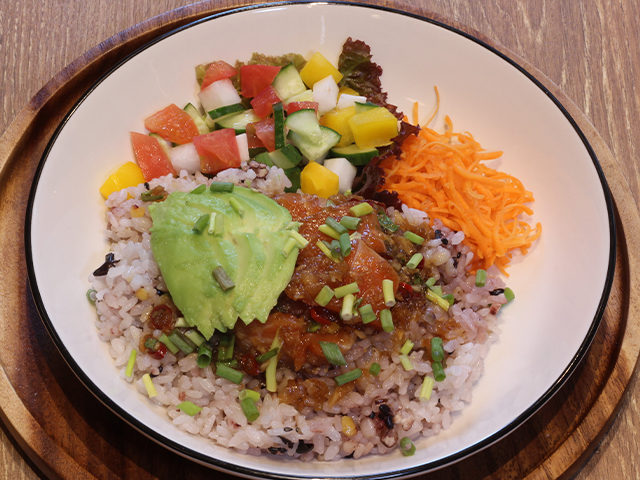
<point>128,175</point>
<point>318,180</point>
<point>347,90</point>
<point>338,120</point>
<point>318,68</point>
<point>373,128</point>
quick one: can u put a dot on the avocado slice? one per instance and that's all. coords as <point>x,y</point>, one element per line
<point>249,250</point>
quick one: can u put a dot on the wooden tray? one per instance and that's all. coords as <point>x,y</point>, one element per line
<point>69,434</point>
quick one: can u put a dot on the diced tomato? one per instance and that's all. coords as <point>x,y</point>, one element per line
<point>151,158</point>
<point>263,102</point>
<point>255,78</point>
<point>217,71</point>
<point>218,151</point>
<point>295,106</point>
<point>173,124</point>
<point>266,132</point>
<point>252,139</point>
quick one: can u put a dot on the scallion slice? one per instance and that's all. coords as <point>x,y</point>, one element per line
<point>218,229</point>
<point>330,232</point>
<point>427,388</point>
<point>212,223</point>
<point>481,278</point>
<point>374,369</point>
<point>194,336</point>
<point>201,223</point>
<point>249,409</point>
<point>438,300</point>
<point>438,371</point>
<point>225,347</point>
<point>324,249</point>
<point>229,373</point>
<point>91,295</point>
<point>334,246</point>
<point>508,294</point>
<point>350,223</point>
<point>183,343</point>
<point>248,393</point>
<point>346,289</point>
<point>270,373</point>
<point>267,355</point>
<point>437,351</point>
<point>199,189</point>
<point>450,298</point>
<point>331,222</point>
<point>406,363</point>
<point>407,347</point>
<point>367,314</point>
<point>345,244</point>
<point>189,408</point>
<point>205,354</point>
<point>303,242</point>
<point>221,187</point>
<point>361,209</point>
<point>407,447</point>
<point>235,204</point>
<point>332,353</point>
<point>414,261</point>
<point>131,363</point>
<point>386,319</point>
<point>168,343</point>
<point>387,292</point>
<point>348,377</point>
<point>346,313</point>
<point>149,386</point>
<point>386,222</point>
<point>289,246</point>
<point>325,296</point>
<point>430,282</point>
<point>412,237</point>
<point>223,278</point>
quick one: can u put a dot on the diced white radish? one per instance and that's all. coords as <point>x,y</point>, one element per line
<point>243,147</point>
<point>344,169</point>
<point>219,94</point>
<point>325,92</point>
<point>347,100</point>
<point>185,157</point>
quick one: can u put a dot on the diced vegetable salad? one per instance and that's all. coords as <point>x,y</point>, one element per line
<point>304,116</point>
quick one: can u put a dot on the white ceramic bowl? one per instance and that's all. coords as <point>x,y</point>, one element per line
<point>561,285</point>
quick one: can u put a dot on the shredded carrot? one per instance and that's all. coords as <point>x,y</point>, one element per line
<point>443,175</point>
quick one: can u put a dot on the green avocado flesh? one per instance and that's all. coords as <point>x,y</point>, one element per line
<point>249,250</point>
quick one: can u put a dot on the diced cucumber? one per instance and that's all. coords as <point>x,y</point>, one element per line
<point>219,94</point>
<point>306,96</point>
<point>226,110</point>
<point>356,155</point>
<point>237,120</point>
<point>305,123</point>
<point>195,114</point>
<point>315,150</point>
<point>165,144</point>
<point>286,157</point>
<point>264,157</point>
<point>288,82</point>
<point>294,175</point>
<point>363,107</point>
<point>278,117</point>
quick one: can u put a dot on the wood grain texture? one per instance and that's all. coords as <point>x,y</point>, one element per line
<point>589,49</point>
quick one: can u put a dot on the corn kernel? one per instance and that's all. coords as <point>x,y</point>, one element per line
<point>142,294</point>
<point>318,68</point>
<point>136,211</point>
<point>348,427</point>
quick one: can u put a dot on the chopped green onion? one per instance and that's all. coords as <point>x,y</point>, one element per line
<point>199,189</point>
<point>386,320</point>
<point>355,236</point>
<point>168,343</point>
<point>235,204</point>
<point>223,279</point>
<point>387,292</point>
<point>313,327</point>
<point>330,232</point>
<point>347,289</point>
<point>438,371</point>
<point>334,246</point>
<point>406,363</point>
<point>212,223</point>
<point>386,222</point>
<point>225,346</point>
<point>427,388</point>
<point>325,296</point>
<point>289,246</point>
<point>508,294</point>
<point>481,278</point>
<point>431,282</point>
<point>303,242</point>
<point>183,343</point>
<point>361,209</point>
<point>229,373</point>
<point>267,355</point>
<point>367,313</point>
<point>270,373</point>
<point>150,197</point>
<point>407,347</point>
<point>150,343</point>
<point>412,237</point>
<point>345,244</point>
<point>91,295</point>
<point>437,289</point>
<point>414,261</point>
<point>189,408</point>
<point>324,249</point>
<point>331,222</point>
<point>437,351</point>
<point>194,336</point>
<point>204,355</point>
<point>407,447</point>
<point>438,300</point>
<point>374,369</point>
<point>248,393</point>
<point>332,353</point>
<point>350,223</point>
<point>348,377</point>
<point>131,363</point>
<point>201,223</point>
<point>221,187</point>
<point>450,298</point>
<point>249,409</point>
<point>346,313</point>
<point>218,229</point>
<point>148,385</point>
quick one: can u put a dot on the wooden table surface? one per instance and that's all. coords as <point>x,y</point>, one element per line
<point>589,48</point>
